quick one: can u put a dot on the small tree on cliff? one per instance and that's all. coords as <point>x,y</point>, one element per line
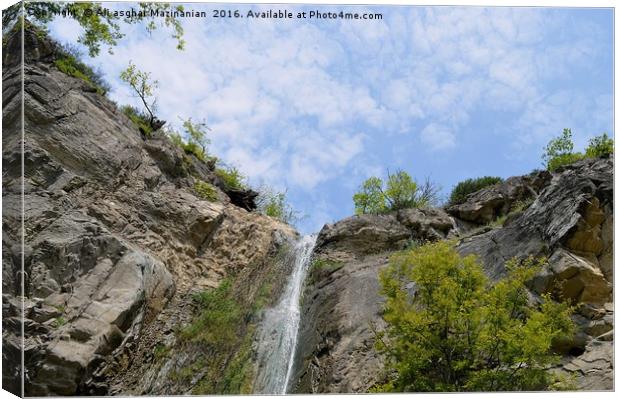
<point>143,87</point>
<point>449,329</point>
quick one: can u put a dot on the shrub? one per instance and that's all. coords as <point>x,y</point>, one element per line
<point>559,151</point>
<point>206,190</point>
<point>68,61</point>
<point>275,205</point>
<point>600,146</point>
<point>400,191</point>
<point>450,329</point>
<point>139,119</point>
<point>463,189</point>
<point>231,178</point>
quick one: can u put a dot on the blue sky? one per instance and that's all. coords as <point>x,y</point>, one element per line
<point>316,107</point>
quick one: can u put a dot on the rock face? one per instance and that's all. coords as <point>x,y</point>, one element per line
<point>116,238</point>
<point>566,216</point>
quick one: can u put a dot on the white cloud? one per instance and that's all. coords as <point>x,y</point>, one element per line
<point>438,137</point>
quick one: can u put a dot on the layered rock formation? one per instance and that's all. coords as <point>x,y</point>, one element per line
<point>116,238</point>
<point>566,216</point>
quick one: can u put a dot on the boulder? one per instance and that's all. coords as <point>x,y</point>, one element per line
<point>487,204</point>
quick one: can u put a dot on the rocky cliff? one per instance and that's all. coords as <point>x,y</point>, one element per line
<point>118,244</point>
<point>566,216</point>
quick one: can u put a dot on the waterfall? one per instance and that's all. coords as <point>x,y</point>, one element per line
<point>278,335</point>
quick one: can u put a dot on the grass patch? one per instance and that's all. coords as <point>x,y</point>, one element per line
<point>218,319</point>
<point>206,190</point>
<point>222,332</point>
<point>59,321</point>
<point>161,351</point>
<point>139,119</point>
<point>68,61</point>
<point>231,178</point>
<point>517,207</point>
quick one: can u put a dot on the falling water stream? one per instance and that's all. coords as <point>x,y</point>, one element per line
<point>278,336</point>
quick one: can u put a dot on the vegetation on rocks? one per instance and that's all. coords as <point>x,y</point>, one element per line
<point>450,329</point>
<point>231,177</point>
<point>600,146</point>
<point>559,151</point>
<point>399,191</point>
<point>463,189</point>
<point>274,204</point>
<point>143,87</point>
<point>68,60</point>
<point>206,190</point>
<point>139,119</point>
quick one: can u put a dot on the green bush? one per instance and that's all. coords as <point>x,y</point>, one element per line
<point>275,205</point>
<point>206,190</point>
<point>449,328</point>
<point>400,191</point>
<point>559,151</point>
<point>463,189</point>
<point>68,61</point>
<point>600,146</point>
<point>563,159</point>
<point>231,178</point>
<point>139,119</point>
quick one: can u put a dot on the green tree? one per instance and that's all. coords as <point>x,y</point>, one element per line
<point>370,198</point>
<point>600,146</point>
<point>98,28</point>
<point>559,151</point>
<point>143,86</point>
<point>400,191</point>
<point>450,329</point>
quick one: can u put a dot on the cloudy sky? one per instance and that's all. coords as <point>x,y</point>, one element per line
<point>316,107</point>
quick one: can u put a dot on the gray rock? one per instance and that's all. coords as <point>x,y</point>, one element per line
<point>487,204</point>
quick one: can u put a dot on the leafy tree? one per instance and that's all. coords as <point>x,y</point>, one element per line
<point>143,87</point>
<point>559,151</point>
<point>450,329</point>
<point>370,198</point>
<point>98,28</point>
<point>400,191</point>
<point>463,189</point>
<point>600,146</point>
